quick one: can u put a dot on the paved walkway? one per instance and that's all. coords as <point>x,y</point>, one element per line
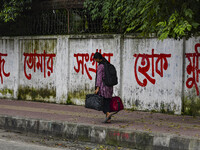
<point>147,122</point>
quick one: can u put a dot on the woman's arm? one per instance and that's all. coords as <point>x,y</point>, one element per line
<point>97,90</point>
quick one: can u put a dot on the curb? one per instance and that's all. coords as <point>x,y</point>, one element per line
<point>100,135</point>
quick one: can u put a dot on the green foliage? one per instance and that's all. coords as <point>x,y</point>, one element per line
<point>167,18</point>
<point>11,9</point>
<point>192,106</point>
<point>69,102</point>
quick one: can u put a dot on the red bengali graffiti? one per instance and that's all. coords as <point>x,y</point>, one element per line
<point>118,134</point>
<point>38,61</point>
<point>148,61</point>
<point>83,58</point>
<point>2,63</point>
<point>193,68</point>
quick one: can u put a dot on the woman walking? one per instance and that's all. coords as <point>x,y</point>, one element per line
<point>100,88</point>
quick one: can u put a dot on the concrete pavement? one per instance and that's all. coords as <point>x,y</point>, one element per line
<point>133,129</point>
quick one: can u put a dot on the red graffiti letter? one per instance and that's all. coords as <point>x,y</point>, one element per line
<point>193,68</point>
<point>2,63</point>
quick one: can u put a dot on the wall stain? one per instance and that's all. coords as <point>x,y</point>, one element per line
<point>80,95</point>
<point>40,94</point>
<point>6,91</point>
<point>157,107</point>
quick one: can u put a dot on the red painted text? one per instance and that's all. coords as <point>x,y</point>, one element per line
<point>41,62</point>
<point>193,68</point>
<point>83,58</point>
<point>155,66</point>
<point>2,63</point>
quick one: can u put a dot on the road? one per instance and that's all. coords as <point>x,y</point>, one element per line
<point>6,144</point>
<point>22,141</point>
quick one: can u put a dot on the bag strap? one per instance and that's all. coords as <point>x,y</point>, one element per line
<point>118,105</point>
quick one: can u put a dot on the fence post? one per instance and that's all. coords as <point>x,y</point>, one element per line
<point>68,11</point>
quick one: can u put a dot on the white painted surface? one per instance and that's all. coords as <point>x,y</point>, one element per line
<point>61,70</point>
<point>190,48</point>
<point>79,80</point>
<point>7,46</point>
<point>38,80</point>
<point>166,92</point>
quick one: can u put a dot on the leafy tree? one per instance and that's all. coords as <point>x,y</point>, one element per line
<point>166,18</point>
<point>11,9</point>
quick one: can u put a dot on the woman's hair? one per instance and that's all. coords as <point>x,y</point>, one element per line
<point>97,55</point>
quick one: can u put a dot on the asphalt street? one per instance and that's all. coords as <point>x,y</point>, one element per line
<point>16,145</point>
<point>21,141</point>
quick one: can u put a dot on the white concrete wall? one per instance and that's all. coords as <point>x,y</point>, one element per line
<point>192,82</point>
<point>70,82</point>
<point>61,69</point>
<point>9,87</point>
<point>40,81</point>
<point>162,91</point>
<point>82,48</point>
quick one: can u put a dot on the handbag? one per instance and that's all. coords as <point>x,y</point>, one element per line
<point>116,104</point>
<point>94,101</point>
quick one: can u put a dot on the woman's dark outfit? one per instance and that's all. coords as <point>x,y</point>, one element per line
<point>104,91</point>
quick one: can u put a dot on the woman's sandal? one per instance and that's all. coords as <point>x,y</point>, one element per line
<point>107,119</point>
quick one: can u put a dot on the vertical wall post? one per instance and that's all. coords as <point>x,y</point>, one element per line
<point>17,79</point>
<point>121,64</point>
<point>62,69</point>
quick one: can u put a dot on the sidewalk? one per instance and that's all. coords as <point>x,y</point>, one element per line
<point>141,130</point>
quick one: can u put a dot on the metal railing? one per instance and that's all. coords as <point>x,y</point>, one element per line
<point>54,22</point>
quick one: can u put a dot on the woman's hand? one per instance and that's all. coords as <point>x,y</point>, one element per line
<point>97,90</point>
